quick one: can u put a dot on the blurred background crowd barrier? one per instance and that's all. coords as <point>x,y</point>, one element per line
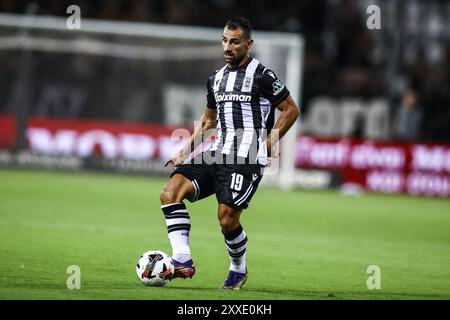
<point>375,102</point>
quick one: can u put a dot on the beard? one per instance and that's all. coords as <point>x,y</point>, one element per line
<point>235,59</point>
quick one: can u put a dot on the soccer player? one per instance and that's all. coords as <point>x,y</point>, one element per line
<point>241,98</point>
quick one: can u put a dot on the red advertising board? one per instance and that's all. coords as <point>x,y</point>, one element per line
<point>84,138</point>
<point>382,166</point>
<point>7,131</point>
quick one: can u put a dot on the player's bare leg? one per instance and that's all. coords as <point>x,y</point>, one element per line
<point>176,189</point>
<point>178,223</point>
<point>235,240</point>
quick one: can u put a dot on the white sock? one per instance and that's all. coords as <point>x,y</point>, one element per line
<point>236,242</point>
<point>178,226</point>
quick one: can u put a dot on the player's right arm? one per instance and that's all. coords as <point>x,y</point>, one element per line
<point>206,123</point>
<point>204,126</point>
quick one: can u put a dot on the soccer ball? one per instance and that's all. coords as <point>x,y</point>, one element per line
<point>154,268</point>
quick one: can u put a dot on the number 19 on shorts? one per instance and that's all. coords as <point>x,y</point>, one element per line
<point>236,181</point>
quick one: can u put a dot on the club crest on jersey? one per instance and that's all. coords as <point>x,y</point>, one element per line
<point>248,82</point>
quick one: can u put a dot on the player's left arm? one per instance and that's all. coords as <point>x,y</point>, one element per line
<point>288,115</point>
<point>276,92</point>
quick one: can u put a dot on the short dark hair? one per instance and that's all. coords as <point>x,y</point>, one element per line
<point>240,22</point>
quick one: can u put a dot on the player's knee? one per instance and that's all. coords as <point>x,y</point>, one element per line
<point>169,194</point>
<point>176,190</point>
<point>227,225</point>
<point>228,222</point>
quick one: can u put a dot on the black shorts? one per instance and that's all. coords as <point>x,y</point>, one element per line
<point>233,184</point>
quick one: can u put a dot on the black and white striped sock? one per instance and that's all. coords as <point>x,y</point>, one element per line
<point>236,242</point>
<point>178,226</point>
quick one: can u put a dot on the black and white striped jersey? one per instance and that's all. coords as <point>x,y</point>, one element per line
<point>244,98</point>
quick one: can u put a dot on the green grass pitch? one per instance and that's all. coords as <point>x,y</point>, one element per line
<point>302,244</point>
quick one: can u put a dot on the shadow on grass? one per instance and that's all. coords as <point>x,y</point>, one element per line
<point>283,294</point>
<point>245,293</point>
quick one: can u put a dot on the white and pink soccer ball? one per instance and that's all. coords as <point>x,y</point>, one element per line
<point>154,268</point>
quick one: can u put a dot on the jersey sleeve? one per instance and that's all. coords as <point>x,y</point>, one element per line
<point>210,99</point>
<point>272,88</point>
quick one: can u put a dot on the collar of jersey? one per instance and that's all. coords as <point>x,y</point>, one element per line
<point>241,67</point>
